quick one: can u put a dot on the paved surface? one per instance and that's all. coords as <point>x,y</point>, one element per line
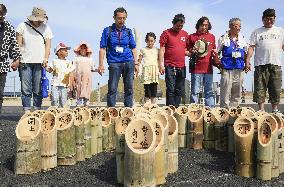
<point>196,167</point>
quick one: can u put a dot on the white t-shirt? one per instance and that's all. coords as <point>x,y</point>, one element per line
<point>61,71</point>
<point>33,49</point>
<point>268,44</point>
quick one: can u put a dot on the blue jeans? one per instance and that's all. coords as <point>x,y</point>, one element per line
<point>175,78</point>
<point>197,80</point>
<point>115,71</point>
<point>59,96</point>
<point>30,75</point>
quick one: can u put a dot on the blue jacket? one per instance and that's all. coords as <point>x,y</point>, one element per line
<point>126,41</point>
<point>228,61</point>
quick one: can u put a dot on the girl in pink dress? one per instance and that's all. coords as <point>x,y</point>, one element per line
<point>83,73</point>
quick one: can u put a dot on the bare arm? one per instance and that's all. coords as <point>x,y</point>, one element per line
<point>134,52</point>
<point>46,51</point>
<point>102,53</point>
<point>20,40</point>
<point>248,57</point>
<point>161,60</point>
<point>140,59</point>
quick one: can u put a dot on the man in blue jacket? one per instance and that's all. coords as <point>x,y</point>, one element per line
<point>117,42</point>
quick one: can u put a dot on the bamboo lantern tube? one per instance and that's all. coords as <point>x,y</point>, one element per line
<point>163,118</point>
<point>168,110</point>
<point>136,108</point>
<point>106,123</point>
<point>181,117</point>
<point>247,112</point>
<point>86,117</point>
<point>221,131</point>
<point>173,145</point>
<point>28,153</point>
<point>264,151</point>
<point>275,149</point>
<point>159,163</point>
<point>79,136</point>
<point>38,113</point>
<point>232,118</point>
<point>244,147</point>
<point>49,141</point>
<point>173,108</point>
<point>209,130</point>
<point>113,112</point>
<point>143,115</point>
<point>120,127</point>
<point>66,143</point>
<point>127,112</point>
<point>140,142</point>
<point>99,131</point>
<point>94,139</point>
<point>279,121</point>
<point>26,114</point>
<point>53,110</point>
<point>195,129</point>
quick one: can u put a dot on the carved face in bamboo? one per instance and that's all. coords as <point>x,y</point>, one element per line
<point>113,112</point>
<point>105,117</point>
<point>264,135</point>
<point>85,114</point>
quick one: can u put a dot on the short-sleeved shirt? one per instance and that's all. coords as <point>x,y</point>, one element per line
<point>119,44</point>
<point>150,70</point>
<point>9,48</point>
<point>33,48</point>
<point>175,46</point>
<point>203,64</point>
<point>61,70</point>
<point>268,44</point>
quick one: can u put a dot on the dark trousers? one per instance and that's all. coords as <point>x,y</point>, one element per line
<point>175,78</point>
<point>2,86</point>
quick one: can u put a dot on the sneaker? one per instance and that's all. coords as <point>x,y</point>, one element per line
<point>277,112</point>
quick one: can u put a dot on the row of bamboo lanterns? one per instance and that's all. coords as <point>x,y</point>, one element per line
<point>147,137</point>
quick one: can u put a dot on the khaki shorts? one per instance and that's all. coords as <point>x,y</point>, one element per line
<point>269,77</point>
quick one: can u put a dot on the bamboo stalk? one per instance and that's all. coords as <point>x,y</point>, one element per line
<point>66,145</point>
<point>231,135</point>
<point>173,145</point>
<point>28,153</point>
<point>181,117</point>
<point>140,141</point>
<point>127,112</point>
<point>120,128</point>
<point>79,136</point>
<point>86,117</point>
<point>94,142</point>
<point>49,141</point>
<point>99,131</point>
<point>209,130</point>
<point>244,147</point>
<point>195,128</point>
<point>105,122</point>
<point>111,133</point>
<point>221,130</point>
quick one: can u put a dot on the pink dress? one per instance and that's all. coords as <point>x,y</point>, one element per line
<point>83,75</point>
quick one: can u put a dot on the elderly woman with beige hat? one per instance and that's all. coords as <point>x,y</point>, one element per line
<point>34,38</point>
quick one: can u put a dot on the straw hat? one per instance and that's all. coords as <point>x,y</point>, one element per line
<point>202,47</point>
<point>38,14</point>
<point>77,49</point>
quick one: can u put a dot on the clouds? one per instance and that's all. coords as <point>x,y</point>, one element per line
<point>216,2</point>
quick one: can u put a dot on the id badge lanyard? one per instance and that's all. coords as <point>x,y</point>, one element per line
<point>119,34</point>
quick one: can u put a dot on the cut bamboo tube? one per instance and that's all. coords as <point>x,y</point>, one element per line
<point>99,131</point>
<point>231,135</point>
<point>106,124</point>
<point>28,153</point>
<point>140,141</point>
<point>66,144</point>
<point>264,149</point>
<point>120,127</point>
<point>38,113</point>
<point>94,139</point>
<point>26,114</point>
<point>247,112</point>
<point>159,163</point>
<point>181,117</point>
<point>221,130</point>
<point>53,109</point>
<point>173,108</point>
<point>49,141</point>
<point>173,145</point>
<point>79,136</point>
<point>168,110</point>
<point>143,115</point>
<point>195,129</point>
<point>113,112</point>
<point>136,108</point>
<point>279,145</point>
<point>244,147</point>
<point>209,130</point>
<point>163,118</point>
<point>86,117</point>
<point>127,112</point>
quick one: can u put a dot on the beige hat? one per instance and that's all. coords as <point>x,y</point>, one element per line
<point>38,14</point>
<point>202,47</point>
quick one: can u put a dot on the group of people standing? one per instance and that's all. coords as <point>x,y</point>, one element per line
<point>30,51</point>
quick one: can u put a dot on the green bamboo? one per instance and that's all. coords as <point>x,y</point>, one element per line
<point>195,129</point>
<point>209,130</point>
<point>221,130</point>
<point>181,117</point>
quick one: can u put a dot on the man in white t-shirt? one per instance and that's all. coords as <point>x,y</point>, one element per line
<point>34,38</point>
<point>268,42</point>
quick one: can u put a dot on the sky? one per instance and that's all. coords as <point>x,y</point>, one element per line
<point>73,21</point>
